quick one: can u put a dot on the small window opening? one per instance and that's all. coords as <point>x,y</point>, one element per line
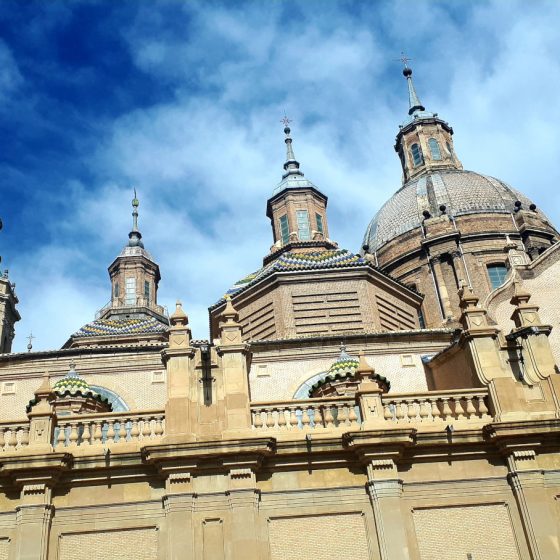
<point>434,149</point>
<point>304,233</point>
<point>284,229</point>
<point>319,220</point>
<point>417,158</point>
<point>147,291</point>
<point>497,273</point>
<point>130,291</point>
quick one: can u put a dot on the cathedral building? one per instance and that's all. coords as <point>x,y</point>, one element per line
<point>399,402</point>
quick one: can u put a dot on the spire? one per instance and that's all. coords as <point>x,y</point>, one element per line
<point>291,167</point>
<point>135,237</point>
<point>413,101</point>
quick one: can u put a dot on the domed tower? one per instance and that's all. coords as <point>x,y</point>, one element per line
<point>446,224</point>
<point>133,313</point>
<point>307,285</point>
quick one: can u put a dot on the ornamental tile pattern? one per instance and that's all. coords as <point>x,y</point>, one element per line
<point>115,327</point>
<point>291,261</point>
<point>462,192</point>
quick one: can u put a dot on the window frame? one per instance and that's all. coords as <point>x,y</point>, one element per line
<point>303,225</point>
<point>319,222</point>
<point>495,266</point>
<point>284,235</point>
<point>416,162</point>
<point>434,147</point>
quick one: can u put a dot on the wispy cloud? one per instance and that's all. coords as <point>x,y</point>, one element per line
<point>183,101</point>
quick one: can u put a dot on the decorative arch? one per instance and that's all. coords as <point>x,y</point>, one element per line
<point>302,392</point>
<point>117,402</point>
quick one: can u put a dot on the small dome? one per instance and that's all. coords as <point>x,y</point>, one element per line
<point>72,383</point>
<point>460,192</point>
<point>344,364</point>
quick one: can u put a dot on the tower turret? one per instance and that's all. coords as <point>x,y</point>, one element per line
<point>297,208</point>
<point>425,141</point>
<point>134,278</point>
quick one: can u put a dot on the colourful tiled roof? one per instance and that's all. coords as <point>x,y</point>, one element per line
<point>292,261</point>
<point>115,327</point>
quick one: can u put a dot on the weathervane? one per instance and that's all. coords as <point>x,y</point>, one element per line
<point>285,121</point>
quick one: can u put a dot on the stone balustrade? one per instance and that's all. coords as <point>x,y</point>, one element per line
<point>436,406</point>
<point>467,405</point>
<point>109,429</point>
<point>14,435</point>
<point>305,414</point>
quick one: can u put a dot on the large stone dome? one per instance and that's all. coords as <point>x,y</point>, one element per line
<point>461,192</point>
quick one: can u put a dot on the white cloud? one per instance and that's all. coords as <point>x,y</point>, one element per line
<point>205,162</point>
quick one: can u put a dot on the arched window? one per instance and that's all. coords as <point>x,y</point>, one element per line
<point>434,149</point>
<point>116,401</point>
<point>417,158</point>
<point>497,273</point>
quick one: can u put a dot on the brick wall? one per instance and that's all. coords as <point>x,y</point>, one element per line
<point>483,531</point>
<point>128,544</point>
<point>329,537</point>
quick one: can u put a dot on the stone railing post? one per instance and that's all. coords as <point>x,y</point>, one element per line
<point>368,396</point>
<point>42,418</point>
<point>234,371</point>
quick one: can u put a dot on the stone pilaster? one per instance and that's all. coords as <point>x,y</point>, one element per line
<point>244,499</point>
<point>527,483</point>
<point>385,490</point>
<point>443,294</point>
<point>178,505</point>
<point>181,382</point>
<point>368,396</point>
<point>233,352</point>
<point>33,521</point>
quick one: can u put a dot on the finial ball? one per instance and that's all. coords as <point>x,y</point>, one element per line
<point>407,72</point>
<point>287,130</point>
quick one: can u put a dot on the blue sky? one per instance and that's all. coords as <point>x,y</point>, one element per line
<point>183,101</point>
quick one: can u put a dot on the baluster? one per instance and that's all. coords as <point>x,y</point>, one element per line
<point>86,435</point>
<point>387,412</point>
<point>446,411</point>
<point>329,418</point>
<point>294,422</point>
<point>159,426</point>
<point>424,410</point>
<point>12,439</point>
<point>97,434</point>
<point>352,416</point>
<point>24,440</point>
<point>122,430</point>
<point>399,411</point>
<point>2,439</point>
<point>436,414</point>
<point>412,411</point>
<point>269,417</point>
<point>134,431</point>
<point>318,416</point>
<point>111,431</point>
<point>73,439</point>
<point>459,410</point>
<point>305,420</point>
<point>281,418</point>
<point>482,408</point>
<point>141,428</point>
<point>342,415</point>
<point>61,439</point>
<point>258,419</point>
<point>470,409</point>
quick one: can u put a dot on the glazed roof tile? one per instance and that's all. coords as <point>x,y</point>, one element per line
<point>292,261</point>
<point>116,327</point>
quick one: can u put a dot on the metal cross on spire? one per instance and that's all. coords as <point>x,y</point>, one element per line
<point>404,59</point>
<point>285,120</point>
<point>30,345</point>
